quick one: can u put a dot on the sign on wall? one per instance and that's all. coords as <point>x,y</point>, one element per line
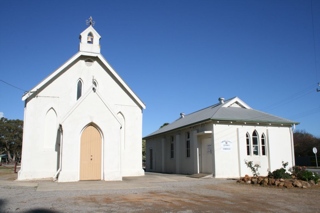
<point>226,145</point>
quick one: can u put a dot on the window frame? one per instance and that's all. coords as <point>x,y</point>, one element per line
<point>263,145</point>
<point>172,147</point>
<point>79,89</point>
<point>255,143</point>
<point>248,143</point>
<point>151,159</point>
<point>188,151</point>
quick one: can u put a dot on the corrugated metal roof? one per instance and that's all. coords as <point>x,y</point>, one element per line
<point>223,112</point>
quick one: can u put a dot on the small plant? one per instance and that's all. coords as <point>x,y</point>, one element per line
<point>280,173</point>
<point>254,168</point>
<point>284,164</point>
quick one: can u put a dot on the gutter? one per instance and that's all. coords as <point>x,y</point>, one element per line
<point>55,177</point>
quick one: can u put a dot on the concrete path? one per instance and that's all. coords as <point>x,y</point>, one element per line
<point>149,180</point>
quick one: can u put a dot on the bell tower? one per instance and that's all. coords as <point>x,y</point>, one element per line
<point>90,39</point>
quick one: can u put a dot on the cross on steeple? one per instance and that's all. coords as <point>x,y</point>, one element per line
<point>90,21</point>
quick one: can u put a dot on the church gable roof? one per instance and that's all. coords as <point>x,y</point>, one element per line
<point>233,109</point>
<point>89,46</point>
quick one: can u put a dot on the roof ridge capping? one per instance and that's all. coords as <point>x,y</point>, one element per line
<point>231,101</point>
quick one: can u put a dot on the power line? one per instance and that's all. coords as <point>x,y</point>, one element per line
<point>293,97</point>
<point>307,113</point>
<point>13,85</point>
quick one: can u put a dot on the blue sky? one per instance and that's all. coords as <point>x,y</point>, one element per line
<point>176,55</point>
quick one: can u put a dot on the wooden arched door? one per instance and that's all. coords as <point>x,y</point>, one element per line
<point>90,154</point>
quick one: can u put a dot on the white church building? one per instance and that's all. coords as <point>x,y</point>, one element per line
<point>82,122</point>
<point>219,139</point>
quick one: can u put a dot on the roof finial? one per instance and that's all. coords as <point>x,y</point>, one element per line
<point>90,21</point>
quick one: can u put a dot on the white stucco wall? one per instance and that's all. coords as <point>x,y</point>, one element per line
<point>232,163</point>
<point>100,108</point>
<point>228,161</point>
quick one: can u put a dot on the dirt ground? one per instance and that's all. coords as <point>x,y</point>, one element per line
<point>162,193</point>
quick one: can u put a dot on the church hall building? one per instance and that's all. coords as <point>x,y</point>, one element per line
<point>219,139</point>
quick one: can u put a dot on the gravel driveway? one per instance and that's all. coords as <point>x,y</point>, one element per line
<point>153,193</point>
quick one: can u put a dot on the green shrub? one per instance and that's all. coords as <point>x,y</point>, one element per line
<point>280,173</point>
<point>303,174</point>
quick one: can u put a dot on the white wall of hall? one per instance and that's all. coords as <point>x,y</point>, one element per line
<point>232,163</point>
<point>155,145</point>
<point>180,163</point>
<point>281,147</point>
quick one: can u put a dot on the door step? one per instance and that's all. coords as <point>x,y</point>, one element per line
<point>200,175</point>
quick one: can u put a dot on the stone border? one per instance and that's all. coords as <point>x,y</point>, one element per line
<point>286,183</point>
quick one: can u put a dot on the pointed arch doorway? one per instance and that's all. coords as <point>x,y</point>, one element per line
<point>90,154</point>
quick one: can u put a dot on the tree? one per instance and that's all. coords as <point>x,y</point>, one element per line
<point>11,138</point>
<point>304,142</point>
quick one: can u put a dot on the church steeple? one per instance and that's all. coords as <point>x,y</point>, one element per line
<point>90,39</point>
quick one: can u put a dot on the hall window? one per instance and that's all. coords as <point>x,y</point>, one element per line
<point>151,159</point>
<point>172,147</point>
<point>188,144</point>
<point>248,144</point>
<point>79,89</point>
<point>255,143</point>
<point>263,144</point>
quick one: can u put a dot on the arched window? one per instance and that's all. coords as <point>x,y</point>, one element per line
<point>90,38</point>
<point>255,143</point>
<point>248,144</point>
<point>79,89</point>
<point>263,144</point>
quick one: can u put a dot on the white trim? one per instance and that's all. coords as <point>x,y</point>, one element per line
<point>204,133</point>
<point>72,59</point>
<point>82,98</point>
<point>239,153</point>
<point>234,100</point>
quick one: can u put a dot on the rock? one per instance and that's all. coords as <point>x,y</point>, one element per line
<point>246,178</point>
<point>297,183</point>
<point>281,184</point>
<point>281,180</point>
<point>254,180</point>
<point>276,182</point>
<point>271,181</point>
<point>260,179</point>
<point>312,183</point>
<point>288,184</point>
<point>264,182</point>
<point>305,184</point>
